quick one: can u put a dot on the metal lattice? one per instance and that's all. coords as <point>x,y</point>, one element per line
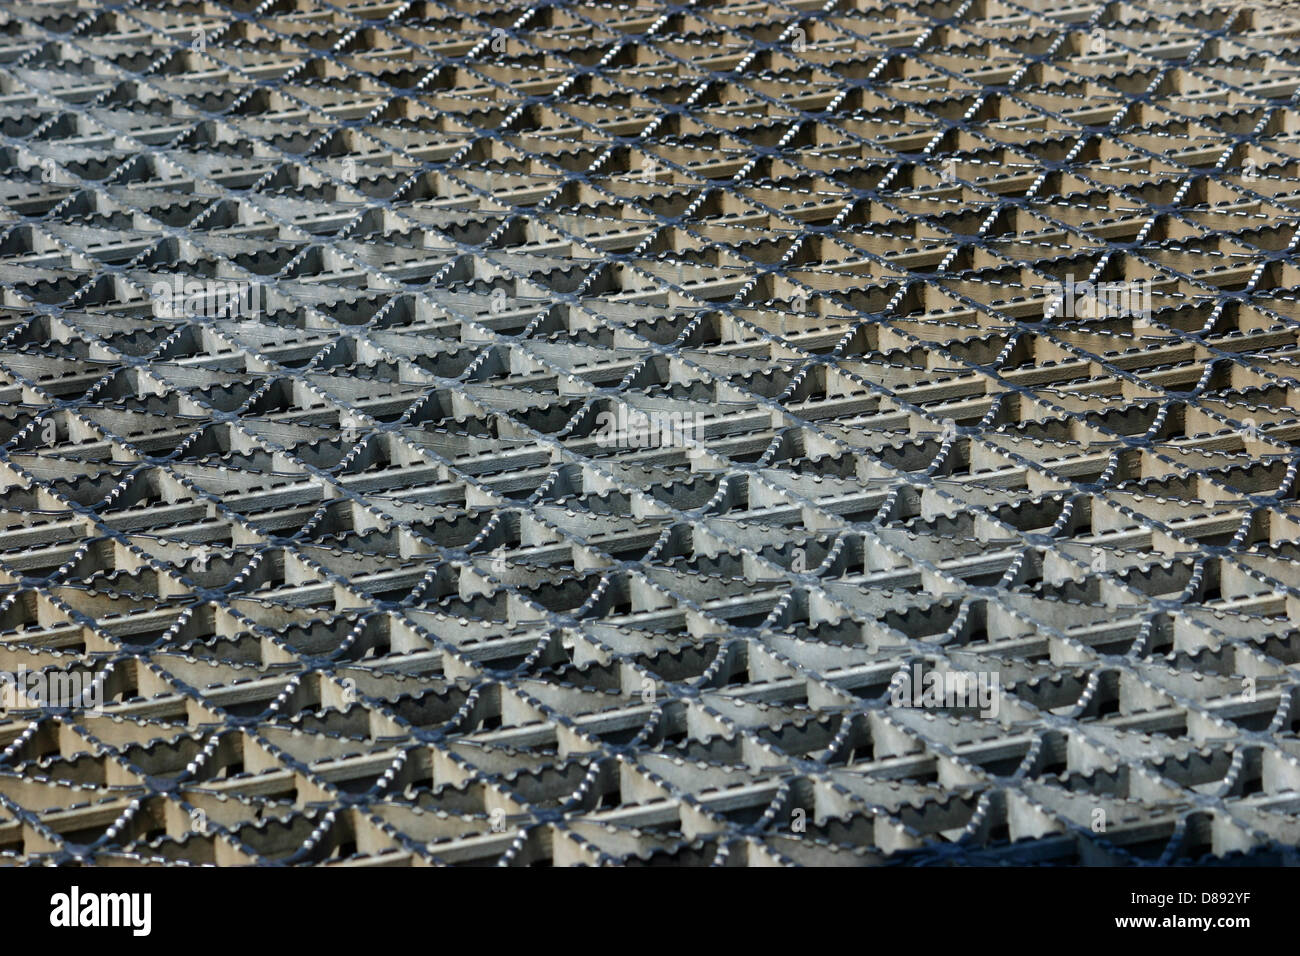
<point>582,432</point>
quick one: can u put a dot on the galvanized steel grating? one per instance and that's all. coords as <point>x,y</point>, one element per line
<point>737,433</point>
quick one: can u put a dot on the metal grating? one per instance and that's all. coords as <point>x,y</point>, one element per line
<point>460,432</point>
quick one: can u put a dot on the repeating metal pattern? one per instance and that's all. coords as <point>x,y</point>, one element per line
<point>464,432</point>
